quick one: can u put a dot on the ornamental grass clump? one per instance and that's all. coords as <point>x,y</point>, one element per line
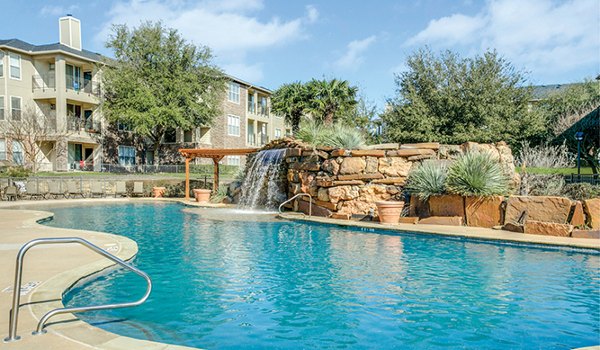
<point>338,135</point>
<point>427,179</point>
<point>477,174</point>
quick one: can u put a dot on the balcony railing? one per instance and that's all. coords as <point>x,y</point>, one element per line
<point>43,82</point>
<point>75,123</point>
<point>83,85</point>
<point>258,110</point>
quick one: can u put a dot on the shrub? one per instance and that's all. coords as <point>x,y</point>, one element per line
<point>17,171</point>
<point>477,174</point>
<point>220,195</point>
<point>344,136</point>
<point>338,135</point>
<point>545,184</point>
<point>427,179</point>
<point>545,156</point>
<point>581,191</point>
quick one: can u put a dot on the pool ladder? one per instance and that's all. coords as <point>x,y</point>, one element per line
<point>14,313</point>
<point>296,196</point>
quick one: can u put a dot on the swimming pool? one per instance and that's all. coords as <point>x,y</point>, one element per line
<point>237,282</point>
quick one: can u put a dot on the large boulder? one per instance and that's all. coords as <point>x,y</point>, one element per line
<point>592,210</point>
<point>539,208</point>
<point>331,166</point>
<point>356,207</point>
<point>483,211</point>
<point>352,165</point>
<point>394,166</point>
<point>578,217</point>
<point>547,228</point>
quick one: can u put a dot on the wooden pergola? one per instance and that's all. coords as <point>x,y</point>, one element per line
<point>216,155</point>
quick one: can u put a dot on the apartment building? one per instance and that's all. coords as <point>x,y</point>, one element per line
<point>61,82</point>
<point>246,122</point>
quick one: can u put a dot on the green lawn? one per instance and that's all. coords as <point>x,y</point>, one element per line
<point>561,171</point>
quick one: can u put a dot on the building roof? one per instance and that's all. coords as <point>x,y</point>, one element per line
<point>541,92</point>
<point>21,45</point>
<point>262,88</point>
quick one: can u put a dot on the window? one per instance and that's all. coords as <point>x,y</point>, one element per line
<point>170,136</point>
<point>233,125</point>
<point>15,108</point>
<point>1,64</point>
<point>187,136</point>
<point>233,160</point>
<point>277,133</point>
<point>17,152</point>
<point>263,106</point>
<point>1,107</point>
<point>2,149</point>
<point>123,127</point>
<point>234,92</point>
<point>73,77</point>
<point>126,155</point>
<point>15,66</point>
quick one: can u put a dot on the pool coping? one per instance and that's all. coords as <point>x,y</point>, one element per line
<point>78,333</point>
<point>474,233</point>
<point>65,331</point>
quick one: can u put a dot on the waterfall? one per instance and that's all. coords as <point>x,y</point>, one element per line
<point>265,183</point>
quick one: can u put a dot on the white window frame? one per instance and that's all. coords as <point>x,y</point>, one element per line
<point>2,64</point>
<point>233,95</point>
<point>17,148</point>
<point>234,160</point>
<point>233,125</point>
<point>277,133</point>
<point>20,107</point>
<point>129,149</point>
<point>2,149</point>
<point>10,66</point>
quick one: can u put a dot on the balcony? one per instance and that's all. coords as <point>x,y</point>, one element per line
<point>258,110</point>
<point>75,123</point>
<point>44,82</point>
<point>86,86</point>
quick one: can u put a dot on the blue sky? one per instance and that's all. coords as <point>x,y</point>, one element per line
<point>271,42</point>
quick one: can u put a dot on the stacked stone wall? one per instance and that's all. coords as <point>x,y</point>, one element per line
<point>347,182</point>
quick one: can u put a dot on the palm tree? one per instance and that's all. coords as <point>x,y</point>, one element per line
<point>290,101</point>
<point>328,99</point>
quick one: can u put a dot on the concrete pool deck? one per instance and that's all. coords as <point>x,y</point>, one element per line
<point>57,268</point>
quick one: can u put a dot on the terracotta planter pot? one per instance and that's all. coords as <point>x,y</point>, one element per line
<point>158,191</point>
<point>389,211</point>
<point>202,195</point>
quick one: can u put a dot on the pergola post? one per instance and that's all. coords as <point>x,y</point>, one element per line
<point>187,178</point>
<point>216,161</point>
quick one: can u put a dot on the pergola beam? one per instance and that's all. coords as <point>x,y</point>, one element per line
<point>216,155</point>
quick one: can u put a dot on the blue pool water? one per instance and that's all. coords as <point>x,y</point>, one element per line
<point>238,283</point>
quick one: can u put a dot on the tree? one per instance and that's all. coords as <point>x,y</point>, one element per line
<point>322,100</point>
<point>289,101</point>
<point>329,99</point>
<point>450,99</point>
<point>159,82</point>
<point>37,134</point>
<point>571,110</point>
<point>363,117</point>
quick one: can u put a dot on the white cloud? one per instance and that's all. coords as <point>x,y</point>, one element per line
<point>230,28</point>
<point>353,58</point>
<point>312,14</point>
<point>245,71</point>
<point>541,35</point>
<point>50,10</point>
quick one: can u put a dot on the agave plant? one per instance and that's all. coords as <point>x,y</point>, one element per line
<point>427,179</point>
<point>477,174</point>
<point>339,135</point>
<point>344,136</point>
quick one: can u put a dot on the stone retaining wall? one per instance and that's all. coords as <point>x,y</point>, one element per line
<point>347,182</point>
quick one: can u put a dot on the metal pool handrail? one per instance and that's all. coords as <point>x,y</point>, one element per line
<point>14,313</point>
<point>296,196</point>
